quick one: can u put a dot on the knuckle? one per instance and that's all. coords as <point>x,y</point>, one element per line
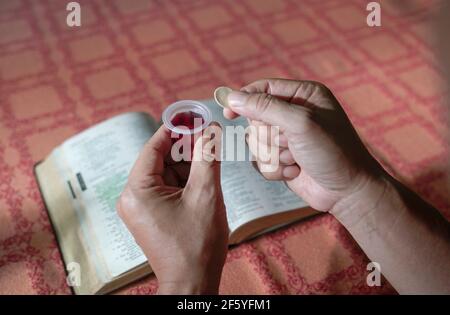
<point>125,203</point>
<point>321,88</point>
<point>270,175</point>
<point>209,149</point>
<point>120,206</point>
<point>269,171</point>
<point>261,81</point>
<point>263,101</point>
<point>208,155</point>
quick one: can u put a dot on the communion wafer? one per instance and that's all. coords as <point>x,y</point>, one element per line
<point>221,96</point>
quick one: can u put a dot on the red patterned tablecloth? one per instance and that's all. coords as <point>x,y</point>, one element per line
<point>142,55</point>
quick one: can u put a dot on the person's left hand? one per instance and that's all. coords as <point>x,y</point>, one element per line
<point>176,214</point>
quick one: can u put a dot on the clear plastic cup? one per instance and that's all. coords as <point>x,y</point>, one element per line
<point>187,107</point>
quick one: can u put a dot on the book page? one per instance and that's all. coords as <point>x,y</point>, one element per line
<point>97,163</point>
<point>247,194</point>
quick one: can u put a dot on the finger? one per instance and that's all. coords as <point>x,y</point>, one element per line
<point>287,90</point>
<point>229,114</point>
<point>170,178</point>
<point>269,135</point>
<point>204,175</point>
<point>286,157</point>
<point>269,154</point>
<point>263,152</point>
<point>269,171</point>
<point>278,172</point>
<point>292,91</point>
<point>291,172</point>
<point>149,167</point>
<point>168,160</point>
<point>270,110</point>
<point>177,174</point>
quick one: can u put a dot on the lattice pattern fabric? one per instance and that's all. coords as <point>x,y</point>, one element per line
<point>141,55</point>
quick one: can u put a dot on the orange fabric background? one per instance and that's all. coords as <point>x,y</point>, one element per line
<point>142,55</point>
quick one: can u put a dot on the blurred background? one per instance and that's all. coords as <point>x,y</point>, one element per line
<point>142,55</point>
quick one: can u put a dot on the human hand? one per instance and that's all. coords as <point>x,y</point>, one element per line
<point>321,157</point>
<point>324,161</point>
<point>176,213</point>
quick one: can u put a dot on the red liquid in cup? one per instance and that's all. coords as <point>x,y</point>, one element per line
<point>188,119</point>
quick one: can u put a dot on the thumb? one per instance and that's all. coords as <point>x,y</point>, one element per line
<point>205,166</point>
<point>266,108</point>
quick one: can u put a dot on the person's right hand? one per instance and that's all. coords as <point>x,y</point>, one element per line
<point>326,164</point>
<point>321,156</point>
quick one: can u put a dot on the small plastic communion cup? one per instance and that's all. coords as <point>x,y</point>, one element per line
<point>187,117</point>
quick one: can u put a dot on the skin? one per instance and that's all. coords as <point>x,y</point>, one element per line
<point>327,165</point>
<point>322,160</point>
<point>176,214</point>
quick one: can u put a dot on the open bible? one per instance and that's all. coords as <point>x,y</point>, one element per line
<point>81,180</point>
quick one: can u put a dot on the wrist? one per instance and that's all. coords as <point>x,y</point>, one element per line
<point>190,282</point>
<point>365,199</point>
<point>188,287</point>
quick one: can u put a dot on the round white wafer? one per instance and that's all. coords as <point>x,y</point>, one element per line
<point>221,95</point>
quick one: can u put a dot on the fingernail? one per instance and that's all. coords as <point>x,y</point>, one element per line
<point>237,98</point>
